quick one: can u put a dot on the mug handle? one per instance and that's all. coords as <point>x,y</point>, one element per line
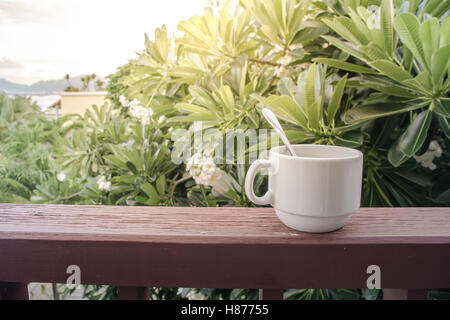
<point>249,179</point>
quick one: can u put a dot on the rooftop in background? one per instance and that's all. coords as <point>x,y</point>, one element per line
<point>78,102</point>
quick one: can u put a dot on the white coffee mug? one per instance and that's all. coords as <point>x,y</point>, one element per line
<point>316,191</point>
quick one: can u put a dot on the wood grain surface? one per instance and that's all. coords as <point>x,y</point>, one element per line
<point>215,225</point>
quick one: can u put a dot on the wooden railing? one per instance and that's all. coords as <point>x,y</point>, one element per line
<point>138,247</point>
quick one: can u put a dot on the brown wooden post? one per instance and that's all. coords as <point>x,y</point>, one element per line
<point>13,291</point>
<point>132,293</point>
<point>405,294</point>
<point>270,294</point>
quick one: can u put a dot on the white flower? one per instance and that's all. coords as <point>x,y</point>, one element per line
<point>278,48</point>
<point>127,145</point>
<point>195,296</point>
<point>426,159</point>
<point>135,111</point>
<point>203,169</point>
<point>427,16</point>
<point>435,148</point>
<point>281,71</point>
<point>208,179</point>
<point>285,60</point>
<point>135,102</point>
<point>103,184</point>
<point>157,133</point>
<point>61,177</point>
<point>295,47</point>
<point>123,101</point>
<point>194,165</point>
<point>139,112</point>
<point>161,119</point>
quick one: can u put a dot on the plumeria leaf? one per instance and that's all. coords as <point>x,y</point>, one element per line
<point>345,65</point>
<point>151,192</point>
<point>310,87</point>
<point>439,64</point>
<point>391,70</point>
<point>335,102</point>
<point>442,107</point>
<point>445,125</point>
<point>350,139</point>
<point>407,26</point>
<point>386,21</point>
<point>411,140</point>
<point>197,113</point>
<point>378,110</point>
<point>345,46</point>
<point>395,156</point>
<point>309,33</point>
<point>390,89</point>
<point>287,109</point>
<point>445,33</point>
<point>440,192</point>
<point>429,35</point>
<point>286,86</point>
<point>310,105</point>
<point>374,52</point>
<point>161,184</point>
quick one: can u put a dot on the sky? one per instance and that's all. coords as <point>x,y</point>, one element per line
<point>46,39</point>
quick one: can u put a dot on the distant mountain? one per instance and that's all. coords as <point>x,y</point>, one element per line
<point>44,87</point>
<point>11,87</point>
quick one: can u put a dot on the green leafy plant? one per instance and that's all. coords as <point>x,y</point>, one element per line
<point>313,106</point>
<point>409,62</point>
<point>27,138</point>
